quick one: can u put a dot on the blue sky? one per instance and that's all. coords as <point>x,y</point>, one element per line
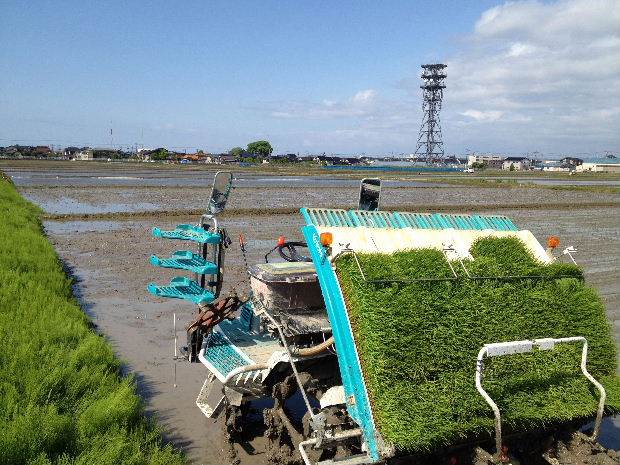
<point>315,76</point>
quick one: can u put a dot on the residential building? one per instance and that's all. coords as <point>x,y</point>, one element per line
<point>516,163</point>
<point>83,154</point>
<point>225,159</point>
<point>604,165</point>
<point>572,161</point>
<point>491,161</point>
<point>559,166</point>
<point>41,150</point>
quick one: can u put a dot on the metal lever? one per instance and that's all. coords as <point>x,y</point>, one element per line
<point>570,251</point>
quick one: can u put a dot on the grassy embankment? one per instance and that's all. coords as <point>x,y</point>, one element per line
<point>62,399</point>
<point>418,343</point>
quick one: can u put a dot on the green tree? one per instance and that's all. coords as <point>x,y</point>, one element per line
<point>159,154</point>
<point>260,147</point>
<point>236,151</point>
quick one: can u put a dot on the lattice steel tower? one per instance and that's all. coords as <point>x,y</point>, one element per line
<point>430,145</point>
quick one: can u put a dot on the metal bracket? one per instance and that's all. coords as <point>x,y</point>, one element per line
<point>570,251</point>
<point>520,347</point>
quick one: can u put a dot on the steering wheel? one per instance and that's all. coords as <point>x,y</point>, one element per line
<point>288,252</point>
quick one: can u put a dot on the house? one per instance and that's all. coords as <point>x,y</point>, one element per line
<point>191,157</point>
<point>289,157</point>
<point>83,155</point>
<point>71,151</point>
<point>556,166</point>
<point>41,151</point>
<point>224,159</point>
<point>516,163</point>
<point>452,160</point>
<point>330,160</point>
<point>490,161</point>
<point>603,165</point>
<point>572,161</point>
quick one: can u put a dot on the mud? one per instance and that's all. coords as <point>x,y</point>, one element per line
<point>108,252</point>
<point>113,200</point>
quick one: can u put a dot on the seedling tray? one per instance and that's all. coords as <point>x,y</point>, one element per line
<point>186,260</point>
<point>182,288</point>
<point>187,232</point>
<point>418,342</point>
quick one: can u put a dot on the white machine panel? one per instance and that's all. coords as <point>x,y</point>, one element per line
<point>377,240</point>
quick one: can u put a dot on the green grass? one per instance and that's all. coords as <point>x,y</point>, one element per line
<point>62,399</point>
<point>418,343</point>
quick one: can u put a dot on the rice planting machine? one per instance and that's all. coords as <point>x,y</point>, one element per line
<point>290,343</point>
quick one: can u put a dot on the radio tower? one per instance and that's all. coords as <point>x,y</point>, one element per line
<point>430,145</point>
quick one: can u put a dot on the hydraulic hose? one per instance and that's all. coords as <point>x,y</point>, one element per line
<point>314,350</point>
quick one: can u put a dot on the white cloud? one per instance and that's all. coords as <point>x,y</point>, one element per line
<point>543,73</point>
<point>364,96</point>
<point>478,115</point>
<point>360,104</point>
<point>519,49</point>
<point>531,75</point>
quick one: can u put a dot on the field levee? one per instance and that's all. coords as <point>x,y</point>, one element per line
<point>62,397</point>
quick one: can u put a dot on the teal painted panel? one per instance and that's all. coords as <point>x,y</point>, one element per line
<point>325,217</point>
<point>221,354</point>
<point>182,288</point>
<point>358,404</point>
<point>187,232</point>
<point>185,260</point>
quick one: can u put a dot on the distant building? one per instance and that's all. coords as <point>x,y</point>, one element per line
<point>572,161</point>
<point>41,150</point>
<point>71,151</point>
<point>604,165</point>
<point>289,157</point>
<point>225,159</point>
<point>333,160</point>
<point>557,166</point>
<point>516,163</point>
<point>83,155</point>
<point>491,161</point>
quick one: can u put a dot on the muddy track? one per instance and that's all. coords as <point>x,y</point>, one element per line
<point>289,211</point>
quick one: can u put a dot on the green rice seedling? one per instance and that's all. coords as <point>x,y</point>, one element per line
<point>418,342</point>
<point>62,399</point>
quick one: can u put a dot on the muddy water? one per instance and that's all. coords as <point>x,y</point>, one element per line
<point>72,199</point>
<point>137,175</point>
<point>110,260</point>
<point>113,269</point>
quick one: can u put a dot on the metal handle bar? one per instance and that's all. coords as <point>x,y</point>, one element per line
<point>521,347</point>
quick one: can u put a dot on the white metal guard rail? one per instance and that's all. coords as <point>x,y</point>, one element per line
<point>520,347</point>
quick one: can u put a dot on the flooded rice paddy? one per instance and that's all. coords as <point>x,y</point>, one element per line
<point>109,256</point>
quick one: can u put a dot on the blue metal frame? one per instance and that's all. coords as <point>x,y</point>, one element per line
<point>358,404</point>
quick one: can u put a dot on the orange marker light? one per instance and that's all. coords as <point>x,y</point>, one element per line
<point>326,239</point>
<point>553,242</point>
<point>281,241</point>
